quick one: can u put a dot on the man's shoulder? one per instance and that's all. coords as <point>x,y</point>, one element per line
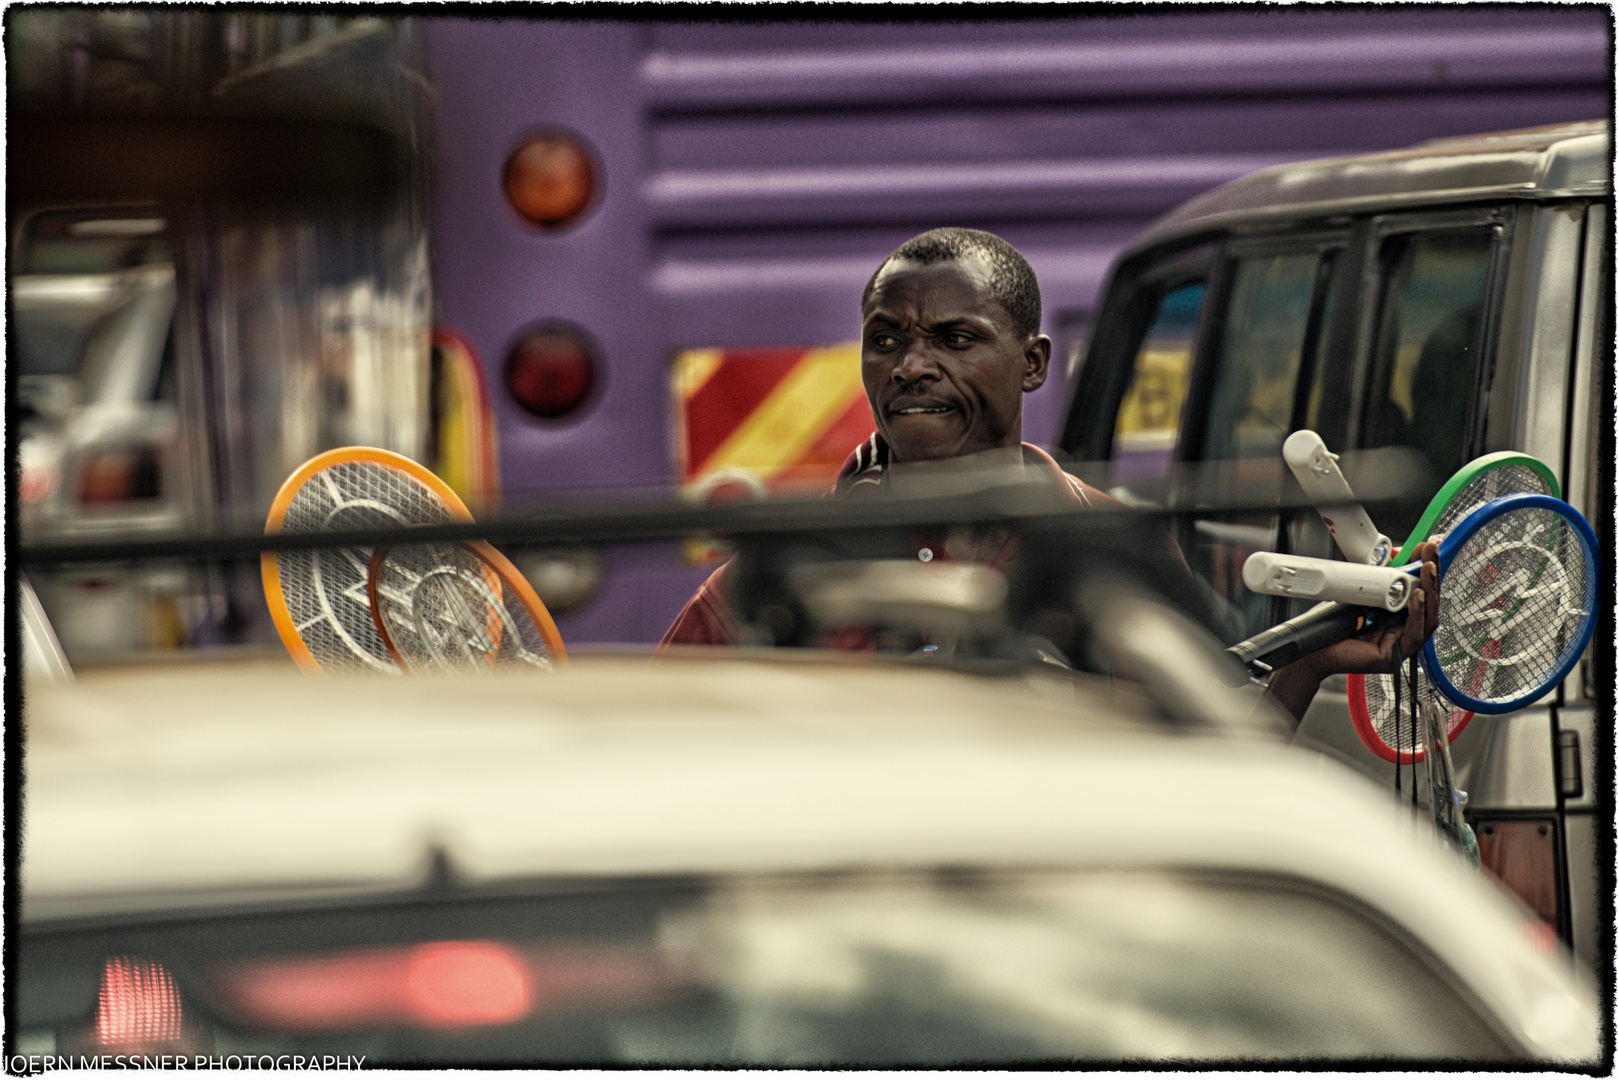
<point>1085,493</point>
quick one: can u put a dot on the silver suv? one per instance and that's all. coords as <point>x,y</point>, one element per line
<point>1452,299</point>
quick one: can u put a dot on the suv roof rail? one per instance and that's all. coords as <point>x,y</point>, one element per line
<point>1534,163</point>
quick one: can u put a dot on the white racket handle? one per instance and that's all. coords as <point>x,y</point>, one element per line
<point>1322,481</point>
<point>1327,579</point>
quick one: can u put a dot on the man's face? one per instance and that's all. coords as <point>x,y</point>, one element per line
<point>944,371</point>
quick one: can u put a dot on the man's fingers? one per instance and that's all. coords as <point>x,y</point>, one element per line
<point>1415,623</point>
<point>1429,587</point>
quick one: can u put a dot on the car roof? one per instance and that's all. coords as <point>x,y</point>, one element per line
<point>174,786</point>
<point>1544,162</point>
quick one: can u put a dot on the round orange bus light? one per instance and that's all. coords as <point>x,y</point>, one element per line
<point>550,371</point>
<point>551,180</point>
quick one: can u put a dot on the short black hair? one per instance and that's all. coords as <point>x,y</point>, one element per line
<point>1011,279</point>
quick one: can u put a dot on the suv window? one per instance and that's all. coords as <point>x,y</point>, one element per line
<point>1268,325</point>
<point>1262,385</point>
<point>1148,422</point>
<point>1273,334</point>
<point>1426,349</point>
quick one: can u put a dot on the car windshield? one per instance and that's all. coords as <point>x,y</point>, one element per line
<point>940,967</point>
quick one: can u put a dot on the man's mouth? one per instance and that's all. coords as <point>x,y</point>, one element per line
<point>920,409</point>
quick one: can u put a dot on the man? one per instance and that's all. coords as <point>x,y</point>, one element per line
<point>950,343</point>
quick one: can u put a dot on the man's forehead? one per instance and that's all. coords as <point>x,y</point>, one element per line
<point>961,284</point>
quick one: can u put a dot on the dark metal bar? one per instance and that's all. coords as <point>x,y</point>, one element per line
<point>628,522</point>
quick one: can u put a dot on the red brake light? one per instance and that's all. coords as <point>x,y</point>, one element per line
<point>551,180</point>
<point>444,984</point>
<point>550,371</point>
<point>458,983</point>
<point>441,984</point>
<point>139,1004</point>
<point>1542,936</point>
<point>34,484</point>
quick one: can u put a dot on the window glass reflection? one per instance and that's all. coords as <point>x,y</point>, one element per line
<point>1148,422</point>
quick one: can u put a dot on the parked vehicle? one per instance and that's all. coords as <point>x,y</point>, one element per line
<point>1449,300</point>
<point>740,858</point>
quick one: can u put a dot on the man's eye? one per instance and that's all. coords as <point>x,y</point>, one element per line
<point>884,341</point>
<point>956,339</point>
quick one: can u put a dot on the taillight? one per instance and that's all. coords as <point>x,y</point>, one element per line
<point>441,984</point>
<point>117,474</point>
<point>1541,935</point>
<point>457,984</point>
<point>551,180</point>
<point>139,1004</point>
<point>34,483</point>
<point>550,371</point>
<point>444,984</point>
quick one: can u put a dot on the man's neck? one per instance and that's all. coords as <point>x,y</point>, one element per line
<point>911,475</point>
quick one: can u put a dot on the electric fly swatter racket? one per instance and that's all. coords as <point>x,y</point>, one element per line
<point>1517,584</point>
<point>1517,603</point>
<point>318,598</point>
<point>1373,704</point>
<point>459,607</point>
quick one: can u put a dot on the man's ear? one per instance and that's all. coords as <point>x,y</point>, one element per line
<point>1036,357</point>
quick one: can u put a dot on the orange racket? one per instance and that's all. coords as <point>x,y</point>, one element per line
<point>459,607</point>
<point>320,600</point>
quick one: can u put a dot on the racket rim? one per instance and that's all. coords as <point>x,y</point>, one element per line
<point>372,570</point>
<point>1365,728</point>
<point>509,576</point>
<point>1463,476</point>
<point>1506,504</point>
<point>269,561</point>
<point>1452,545</point>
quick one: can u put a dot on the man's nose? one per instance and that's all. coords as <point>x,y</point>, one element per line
<point>915,363</point>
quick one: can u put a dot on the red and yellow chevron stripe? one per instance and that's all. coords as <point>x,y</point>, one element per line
<point>784,418</point>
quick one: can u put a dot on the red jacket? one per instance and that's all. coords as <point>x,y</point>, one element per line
<point>706,620</point>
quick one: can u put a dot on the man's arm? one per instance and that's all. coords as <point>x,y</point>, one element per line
<point>1381,650</point>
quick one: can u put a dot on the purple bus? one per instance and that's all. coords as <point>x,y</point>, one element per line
<point>747,178</point>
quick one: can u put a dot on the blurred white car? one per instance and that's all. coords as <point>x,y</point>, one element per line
<point>738,858</point>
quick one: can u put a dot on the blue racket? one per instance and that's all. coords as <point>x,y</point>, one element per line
<point>1517,603</point>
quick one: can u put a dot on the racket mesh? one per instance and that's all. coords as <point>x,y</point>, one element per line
<point>446,609</point>
<point>1515,602</point>
<point>1394,728</point>
<point>1484,489</point>
<point>325,589</point>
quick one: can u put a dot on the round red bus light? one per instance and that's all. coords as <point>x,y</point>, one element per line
<point>550,371</point>
<point>551,180</point>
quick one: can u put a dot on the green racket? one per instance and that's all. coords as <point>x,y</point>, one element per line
<point>1371,698</point>
<point>1476,484</point>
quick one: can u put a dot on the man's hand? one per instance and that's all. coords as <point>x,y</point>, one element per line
<point>1377,650</point>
